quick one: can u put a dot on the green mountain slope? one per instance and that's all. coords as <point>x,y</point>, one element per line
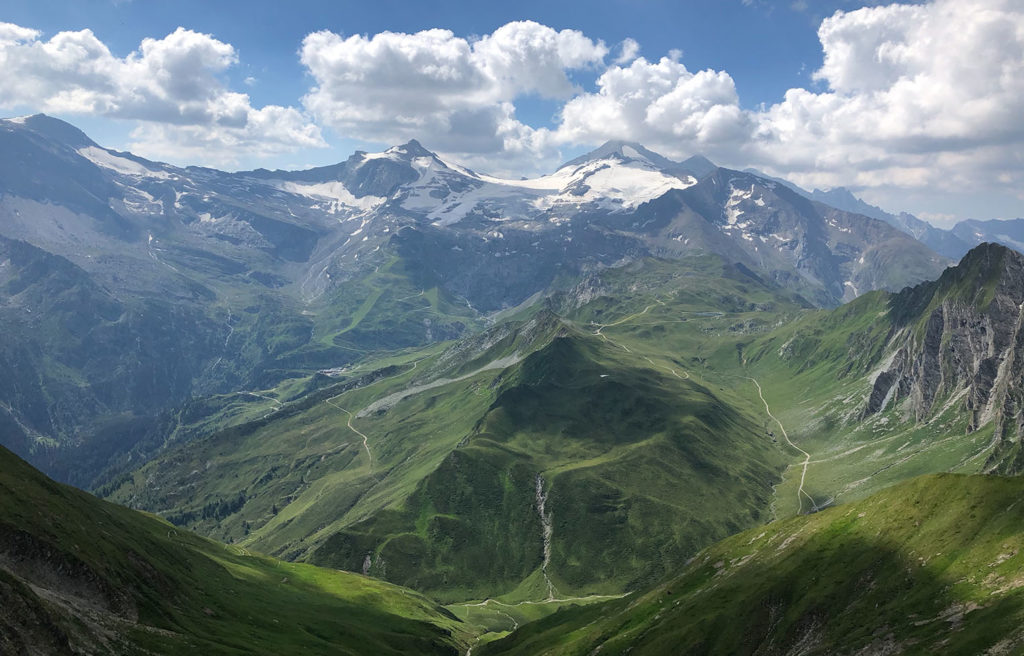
<point>598,445</point>
<point>664,406</point>
<point>80,575</point>
<point>929,566</point>
<point>431,472</point>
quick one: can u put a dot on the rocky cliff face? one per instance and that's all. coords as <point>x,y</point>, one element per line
<point>959,340</point>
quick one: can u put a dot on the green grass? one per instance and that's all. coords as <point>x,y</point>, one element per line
<point>143,584</point>
<point>928,566</point>
<point>448,503</point>
<point>644,380</point>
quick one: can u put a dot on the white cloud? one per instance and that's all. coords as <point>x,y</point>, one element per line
<point>659,103</point>
<point>456,94</point>
<point>629,50</point>
<point>918,96</point>
<point>908,98</point>
<point>172,84</point>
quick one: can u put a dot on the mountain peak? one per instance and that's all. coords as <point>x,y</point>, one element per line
<point>624,151</point>
<point>990,258</point>
<point>698,165</point>
<point>987,271</point>
<point>54,129</point>
<point>411,148</point>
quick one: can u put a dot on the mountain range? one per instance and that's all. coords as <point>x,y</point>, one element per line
<point>277,272</point>
<point>506,396</point>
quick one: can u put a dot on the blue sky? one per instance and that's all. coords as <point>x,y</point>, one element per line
<point>721,34</point>
<point>864,99</point>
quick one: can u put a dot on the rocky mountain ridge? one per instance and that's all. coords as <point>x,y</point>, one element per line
<point>958,340</point>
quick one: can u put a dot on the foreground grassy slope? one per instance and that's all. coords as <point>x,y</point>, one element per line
<point>932,565</point>
<point>80,574</point>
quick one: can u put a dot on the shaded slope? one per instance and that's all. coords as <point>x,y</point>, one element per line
<point>929,566</point>
<point>79,574</point>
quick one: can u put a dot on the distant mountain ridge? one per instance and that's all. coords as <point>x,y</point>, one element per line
<point>952,243</point>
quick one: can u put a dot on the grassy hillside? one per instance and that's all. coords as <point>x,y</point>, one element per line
<point>928,566</point>
<point>428,473</point>
<point>80,574</point>
<point>649,410</point>
<point>602,444</point>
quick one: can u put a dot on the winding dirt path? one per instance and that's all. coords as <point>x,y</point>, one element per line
<point>366,440</point>
<point>800,493</point>
<point>653,363</point>
<point>263,396</point>
<point>602,326</point>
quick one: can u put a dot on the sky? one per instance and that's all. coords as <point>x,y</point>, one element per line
<point>915,107</point>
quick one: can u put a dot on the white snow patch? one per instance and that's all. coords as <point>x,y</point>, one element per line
<point>390,153</point>
<point>626,184</point>
<point>633,153</point>
<point>732,206</point>
<point>333,191</point>
<point>122,165</point>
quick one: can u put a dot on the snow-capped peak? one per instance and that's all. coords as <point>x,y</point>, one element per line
<point>403,153</point>
<point>625,151</point>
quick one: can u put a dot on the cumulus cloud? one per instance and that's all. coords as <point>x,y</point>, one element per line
<point>173,85</point>
<point>659,103</point>
<point>456,93</point>
<point>918,96</point>
<point>629,50</point>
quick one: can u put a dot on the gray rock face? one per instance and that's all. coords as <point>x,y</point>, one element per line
<point>959,340</point>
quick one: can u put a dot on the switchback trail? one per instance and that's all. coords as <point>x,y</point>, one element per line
<point>366,440</point>
<point>800,493</point>
<point>602,326</point>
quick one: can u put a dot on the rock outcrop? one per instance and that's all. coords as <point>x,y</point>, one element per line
<point>959,340</point>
